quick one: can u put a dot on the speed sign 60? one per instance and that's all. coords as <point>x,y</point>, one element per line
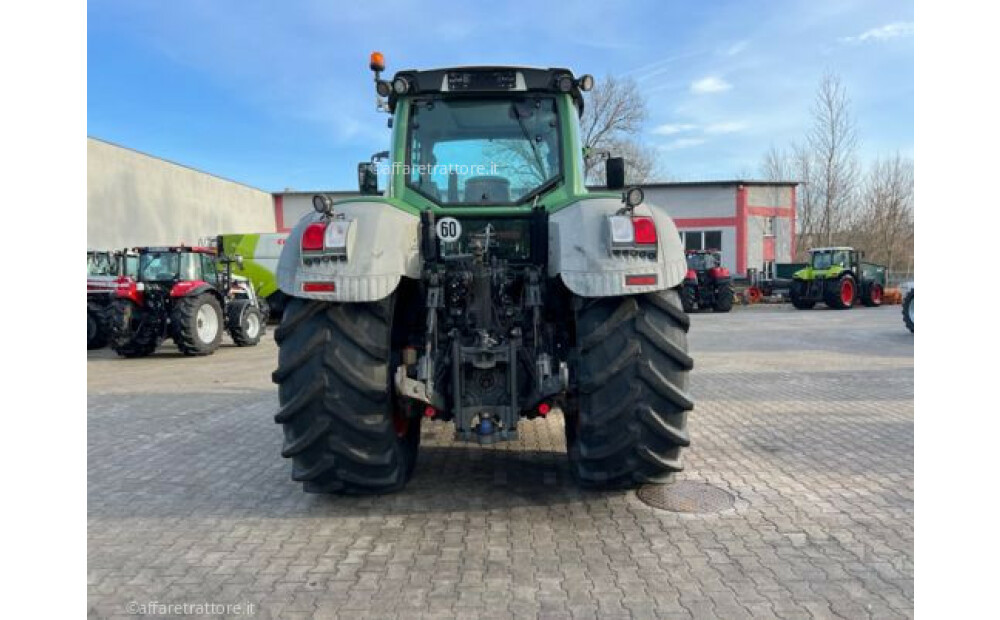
<point>448,229</point>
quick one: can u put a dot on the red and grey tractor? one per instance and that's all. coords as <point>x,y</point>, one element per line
<point>103,270</point>
<point>707,283</point>
<point>180,292</point>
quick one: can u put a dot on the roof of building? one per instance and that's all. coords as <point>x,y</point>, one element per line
<point>723,182</point>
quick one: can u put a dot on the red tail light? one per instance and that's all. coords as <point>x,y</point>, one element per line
<point>312,237</point>
<point>691,275</point>
<point>645,230</point>
<point>543,409</point>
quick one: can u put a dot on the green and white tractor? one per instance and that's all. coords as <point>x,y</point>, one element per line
<point>837,277</point>
<point>486,287</point>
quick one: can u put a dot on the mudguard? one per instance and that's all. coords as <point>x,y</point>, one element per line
<point>383,246</point>
<point>580,252</point>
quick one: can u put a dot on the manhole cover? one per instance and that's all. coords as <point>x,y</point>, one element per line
<point>686,496</point>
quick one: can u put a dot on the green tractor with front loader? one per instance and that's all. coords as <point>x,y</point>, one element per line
<point>486,287</point>
<point>837,277</point>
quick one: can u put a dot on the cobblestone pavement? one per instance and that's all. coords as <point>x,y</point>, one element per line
<point>805,417</point>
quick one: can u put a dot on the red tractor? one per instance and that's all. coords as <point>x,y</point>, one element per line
<point>103,270</point>
<point>179,292</point>
<point>707,283</point>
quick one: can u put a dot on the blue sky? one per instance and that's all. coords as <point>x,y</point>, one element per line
<point>278,94</point>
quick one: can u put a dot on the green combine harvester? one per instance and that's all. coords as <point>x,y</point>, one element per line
<point>260,252</point>
<point>837,277</point>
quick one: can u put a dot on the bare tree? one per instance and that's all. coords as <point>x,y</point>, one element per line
<point>886,219</point>
<point>833,142</point>
<point>613,116</point>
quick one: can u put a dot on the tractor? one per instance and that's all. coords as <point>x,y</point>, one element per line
<point>487,287</point>
<point>707,283</point>
<point>837,277</point>
<point>180,292</point>
<point>103,270</point>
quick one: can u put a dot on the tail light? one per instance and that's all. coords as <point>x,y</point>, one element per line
<point>312,237</point>
<point>645,230</point>
<point>632,233</point>
<point>691,275</point>
<point>329,239</point>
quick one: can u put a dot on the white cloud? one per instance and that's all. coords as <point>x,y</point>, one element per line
<point>735,48</point>
<point>673,128</point>
<point>726,127</point>
<point>882,33</point>
<point>682,143</point>
<point>710,84</point>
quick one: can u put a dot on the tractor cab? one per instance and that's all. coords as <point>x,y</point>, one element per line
<point>177,264</point>
<point>823,259</point>
<point>704,260</point>
<point>479,138</point>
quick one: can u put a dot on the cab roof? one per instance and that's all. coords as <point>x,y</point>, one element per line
<point>832,248</point>
<point>177,248</point>
<point>486,79</point>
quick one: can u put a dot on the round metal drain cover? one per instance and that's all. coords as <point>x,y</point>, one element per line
<point>686,496</point>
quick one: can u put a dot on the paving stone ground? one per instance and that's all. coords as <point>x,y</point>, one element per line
<point>805,417</point>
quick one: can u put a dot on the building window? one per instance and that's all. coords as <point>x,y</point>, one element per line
<point>702,239</point>
<point>713,240</point>
<point>692,240</point>
<point>768,271</point>
<point>769,226</point>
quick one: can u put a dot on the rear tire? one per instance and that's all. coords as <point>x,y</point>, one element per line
<point>797,292</point>
<point>872,295</point>
<point>689,296</point>
<point>342,429</point>
<point>724,298</point>
<point>191,324</point>
<point>631,420</point>
<point>98,326</point>
<point>908,311</point>
<point>840,294</point>
<point>245,323</point>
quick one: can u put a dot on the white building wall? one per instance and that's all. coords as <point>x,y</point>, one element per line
<point>294,205</point>
<point>135,199</point>
<point>769,195</point>
<point>701,201</point>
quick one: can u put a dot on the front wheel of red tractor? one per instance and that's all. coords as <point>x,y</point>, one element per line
<point>841,293</point>
<point>343,429</point>
<point>130,335</point>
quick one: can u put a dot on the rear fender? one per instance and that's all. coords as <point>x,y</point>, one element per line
<point>189,288</point>
<point>580,252</point>
<point>719,274</point>
<point>382,247</point>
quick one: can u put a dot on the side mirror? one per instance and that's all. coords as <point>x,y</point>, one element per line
<point>614,169</point>
<point>367,179</point>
